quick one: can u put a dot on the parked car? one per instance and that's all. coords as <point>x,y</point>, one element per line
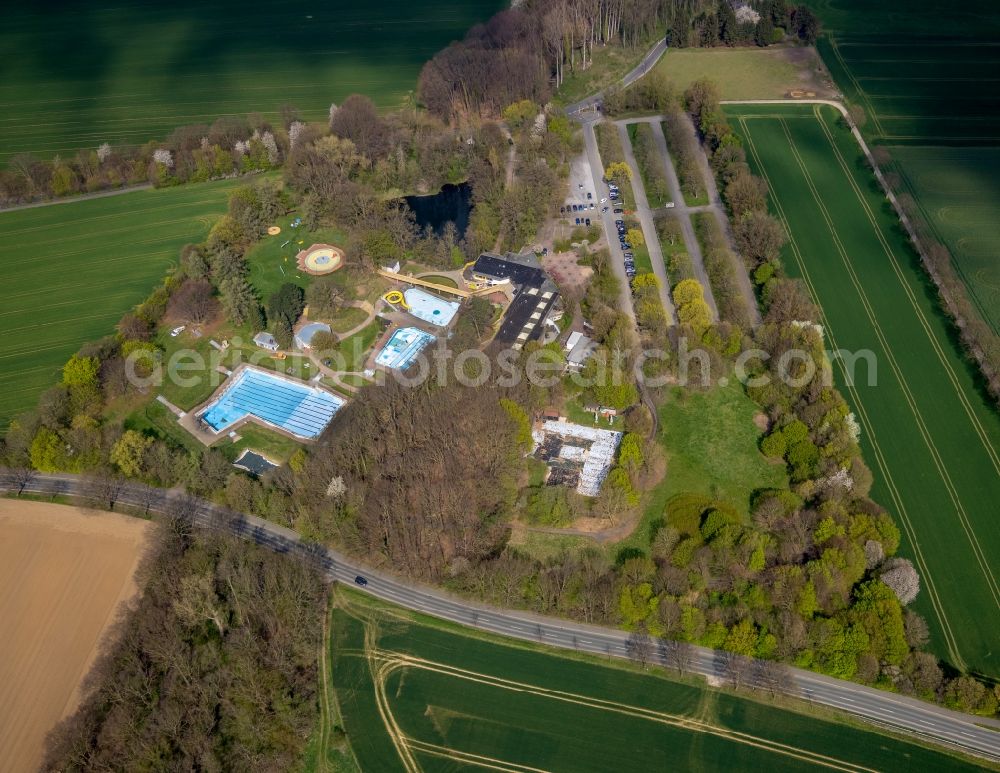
<point>587,221</point>
<point>177,331</point>
<point>604,200</point>
<point>578,221</point>
<point>669,205</point>
<point>604,209</point>
<point>589,195</point>
<point>619,211</point>
<point>562,210</point>
<point>592,205</point>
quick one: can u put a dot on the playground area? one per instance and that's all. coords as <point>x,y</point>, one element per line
<point>320,259</point>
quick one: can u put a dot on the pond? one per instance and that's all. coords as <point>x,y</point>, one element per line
<point>452,204</point>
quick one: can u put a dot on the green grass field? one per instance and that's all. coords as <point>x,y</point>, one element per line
<point>741,73</point>
<point>929,435</point>
<point>71,270</point>
<point>423,695</point>
<point>927,82</point>
<point>77,75</point>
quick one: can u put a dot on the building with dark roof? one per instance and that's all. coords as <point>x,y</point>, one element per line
<point>534,294</point>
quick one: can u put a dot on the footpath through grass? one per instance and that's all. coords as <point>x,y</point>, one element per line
<point>443,697</point>
<point>78,74</point>
<point>929,435</point>
<point>71,270</point>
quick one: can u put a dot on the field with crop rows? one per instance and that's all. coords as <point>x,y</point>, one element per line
<point>931,438</point>
<point>71,270</point>
<point>78,74</point>
<point>417,696</point>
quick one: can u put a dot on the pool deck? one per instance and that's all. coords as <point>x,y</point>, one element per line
<point>206,437</point>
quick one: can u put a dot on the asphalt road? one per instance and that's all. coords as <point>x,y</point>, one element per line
<point>974,735</point>
<point>651,58</point>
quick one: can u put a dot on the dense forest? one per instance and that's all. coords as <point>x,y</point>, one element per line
<point>214,669</point>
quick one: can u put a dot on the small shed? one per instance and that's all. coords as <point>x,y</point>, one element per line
<point>266,341</point>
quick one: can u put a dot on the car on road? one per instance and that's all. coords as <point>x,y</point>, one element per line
<point>359,580</point>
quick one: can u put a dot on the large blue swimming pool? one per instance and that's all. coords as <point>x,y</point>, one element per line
<point>298,408</point>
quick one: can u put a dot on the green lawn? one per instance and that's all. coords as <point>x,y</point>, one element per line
<point>929,435</point>
<point>71,270</point>
<point>272,259</point>
<point>438,693</point>
<point>78,74</point>
<point>275,447</point>
<point>741,73</point>
<point>348,318</point>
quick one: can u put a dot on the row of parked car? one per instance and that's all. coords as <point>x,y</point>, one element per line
<point>627,253</point>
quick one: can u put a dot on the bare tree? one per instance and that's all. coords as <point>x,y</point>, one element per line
<point>773,676</point>
<point>735,669</point>
<point>194,301</point>
<point>21,478</point>
<point>102,489</point>
<point>639,647</point>
<point>677,654</point>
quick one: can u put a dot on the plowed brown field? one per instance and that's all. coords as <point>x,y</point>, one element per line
<point>64,573</point>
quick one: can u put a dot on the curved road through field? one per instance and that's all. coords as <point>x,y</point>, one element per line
<point>974,735</point>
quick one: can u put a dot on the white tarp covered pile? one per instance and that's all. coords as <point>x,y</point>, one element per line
<point>597,459</point>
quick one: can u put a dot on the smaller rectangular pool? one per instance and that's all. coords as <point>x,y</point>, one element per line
<point>430,308</point>
<point>300,409</point>
<point>403,348</point>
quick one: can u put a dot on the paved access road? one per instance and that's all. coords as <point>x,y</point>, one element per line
<point>651,58</point>
<point>975,735</point>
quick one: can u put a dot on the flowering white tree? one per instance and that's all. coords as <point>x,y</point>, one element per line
<point>294,133</point>
<point>267,140</point>
<point>104,152</point>
<point>163,157</point>
<point>241,147</point>
<point>874,553</point>
<point>899,574</point>
<point>333,110</point>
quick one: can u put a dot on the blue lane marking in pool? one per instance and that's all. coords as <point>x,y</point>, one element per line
<point>300,409</point>
<point>403,347</point>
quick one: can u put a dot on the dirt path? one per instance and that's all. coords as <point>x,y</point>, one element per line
<point>78,197</point>
<point>65,573</point>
